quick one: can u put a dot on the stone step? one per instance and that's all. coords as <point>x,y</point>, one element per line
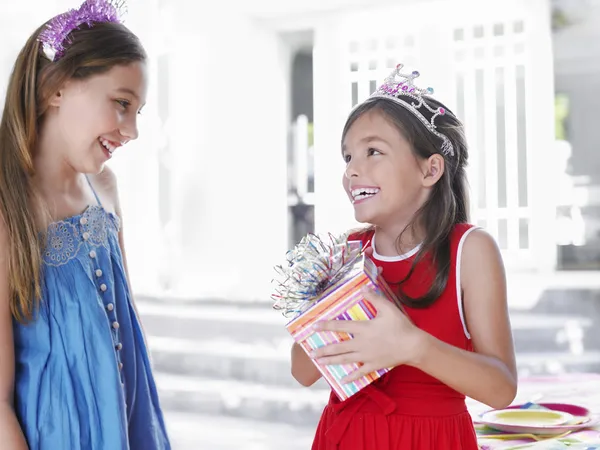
<point>530,364</point>
<point>554,333</point>
<point>231,398</point>
<point>224,359</point>
<point>533,332</point>
<point>573,301</point>
<point>206,322</point>
<point>585,257</point>
<point>214,432</point>
<point>228,360</point>
<point>256,363</point>
<point>302,407</point>
<point>566,340</point>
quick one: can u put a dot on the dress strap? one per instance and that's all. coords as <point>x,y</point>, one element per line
<point>462,231</point>
<point>93,191</point>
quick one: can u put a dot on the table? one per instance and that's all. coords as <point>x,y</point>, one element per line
<point>580,389</point>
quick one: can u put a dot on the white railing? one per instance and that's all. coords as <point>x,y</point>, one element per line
<point>494,68</point>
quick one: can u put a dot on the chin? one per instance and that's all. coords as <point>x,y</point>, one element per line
<point>370,218</point>
<point>95,167</point>
<point>100,169</point>
<point>367,212</point>
<point>362,217</point>
<point>91,169</point>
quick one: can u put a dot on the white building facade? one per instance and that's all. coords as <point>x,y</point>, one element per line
<point>205,188</point>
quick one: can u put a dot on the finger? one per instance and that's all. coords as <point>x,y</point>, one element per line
<point>369,252</point>
<point>379,270</point>
<point>333,349</point>
<point>358,373</point>
<point>346,358</point>
<point>380,302</point>
<point>340,326</point>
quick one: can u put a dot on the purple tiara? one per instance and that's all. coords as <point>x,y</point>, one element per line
<point>54,37</point>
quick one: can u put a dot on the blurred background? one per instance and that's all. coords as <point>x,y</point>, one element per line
<point>239,157</point>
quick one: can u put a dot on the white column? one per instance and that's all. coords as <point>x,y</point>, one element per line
<point>229,122</point>
<point>541,137</point>
<point>333,211</point>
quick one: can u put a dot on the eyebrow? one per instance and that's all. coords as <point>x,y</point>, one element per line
<point>368,140</point>
<point>129,91</point>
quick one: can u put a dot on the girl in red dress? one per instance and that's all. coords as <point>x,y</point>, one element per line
<point>405,157</point>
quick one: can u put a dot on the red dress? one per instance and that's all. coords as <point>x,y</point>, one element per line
<point>407,409</point>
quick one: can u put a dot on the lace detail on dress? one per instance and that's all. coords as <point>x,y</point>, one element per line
<point>93,223</point>
<point>62,243</point>
<point>65,238</point>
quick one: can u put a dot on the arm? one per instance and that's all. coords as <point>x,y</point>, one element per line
<point>10,430</point>
<point>303,369</point>
<point>391,339</point>
<point>489,374</point>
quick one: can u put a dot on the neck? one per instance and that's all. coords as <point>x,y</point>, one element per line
<point>388,243</point>
<point>53,175</point>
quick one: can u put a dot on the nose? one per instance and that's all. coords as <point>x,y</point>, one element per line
<point>129,129</point>
<point>351,169</point>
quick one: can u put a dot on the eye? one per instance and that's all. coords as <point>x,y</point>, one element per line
<point>346,158</point>
<point>373,151</point>
<point>124,103</point>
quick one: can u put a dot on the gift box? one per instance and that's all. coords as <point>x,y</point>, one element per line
<point>324,280</point>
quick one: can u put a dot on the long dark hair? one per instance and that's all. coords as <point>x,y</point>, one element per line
<point>34,79</point>
<point>447,204</point>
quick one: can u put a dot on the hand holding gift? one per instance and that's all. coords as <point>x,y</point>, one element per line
<point>322,282</point>
<point>389,340</point>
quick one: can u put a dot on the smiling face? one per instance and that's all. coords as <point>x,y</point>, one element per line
<point>91,118</point>
<point>384,179</point>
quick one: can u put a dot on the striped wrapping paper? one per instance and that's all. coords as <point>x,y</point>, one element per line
<point>341,301</point>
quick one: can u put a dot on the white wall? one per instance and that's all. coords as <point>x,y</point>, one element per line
<point>228,130</point>
<point>229,103</point>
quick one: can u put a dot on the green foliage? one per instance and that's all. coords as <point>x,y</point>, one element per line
<point>561,113</point>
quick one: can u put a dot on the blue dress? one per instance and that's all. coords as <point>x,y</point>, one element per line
<point>83,379</point>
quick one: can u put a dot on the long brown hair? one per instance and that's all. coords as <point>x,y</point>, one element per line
<point>34,79</point>
<point>447,204</point>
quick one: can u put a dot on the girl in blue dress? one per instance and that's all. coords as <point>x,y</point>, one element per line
<point>74,368</point>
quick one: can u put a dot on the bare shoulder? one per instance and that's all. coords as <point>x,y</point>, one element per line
<point>481,261</point>
<point>105,184</point>
<point>105,180</point>
<point>478,246</point>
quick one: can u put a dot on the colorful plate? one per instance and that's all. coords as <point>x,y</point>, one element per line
<point>527,417</point>
<point>561,418</point>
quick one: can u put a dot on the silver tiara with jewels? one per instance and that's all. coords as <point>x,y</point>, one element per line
<point>400,88</point>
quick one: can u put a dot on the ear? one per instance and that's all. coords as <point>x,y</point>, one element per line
<point>57,98</point>
<point>433,169</point>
